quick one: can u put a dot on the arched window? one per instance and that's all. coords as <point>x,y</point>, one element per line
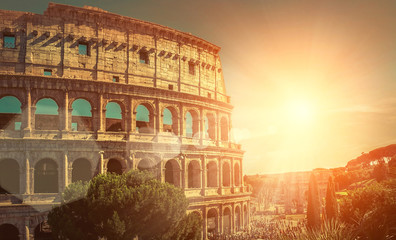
<point>212,221</point>
<point>144,120</point>
<point>46,176</point>
<point>194,175</point>
<point>170,121</point>
<point>226,174</point>
<point>81,116</point>
<point>192,124</point>
<point>227,221</point>
<point>210,126</point>
<point>81,170</point>
<point>114,121</point>
<point>9,232</point>
<point>212,174</point>
<point>237,176</point>
<point>46,115</point>
<point>10,113</point>
<point>224,129</point>
<point>237,219</point>
<point>172,172</point>
<point>9,176</point>
<point>114,166</point>
<point>43,232</point>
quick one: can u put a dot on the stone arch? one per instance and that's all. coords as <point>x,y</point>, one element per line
<point>210,126</point>
<point>81,115</point>
<point>46,176</point>
<point>192,123</point>
<point>43,231</point>
<point>237,220</point>
<point>227,220</point>
<point>10,113</point>
<point>9,232</point>
<point>172,172</point>
<point>237,175</point>
<point>211,168</point>
<point>9,176</point>
<point>226,174</point>
<point>224,129</point>
<point>212,221</point>
<point>46,116</point>
<point>194,174</point>
<point>114,118</point>
<point>147,164</point>
<point>170,120</point>
<point>81,170</point>
<point>144,118</point>
<point>114,166</point>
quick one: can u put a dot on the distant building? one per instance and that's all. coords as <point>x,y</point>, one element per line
<point>84,91</point>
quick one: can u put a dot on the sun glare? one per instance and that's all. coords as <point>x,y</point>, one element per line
<point>300,111</point>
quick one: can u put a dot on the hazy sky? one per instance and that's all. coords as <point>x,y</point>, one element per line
<point>313,82</point>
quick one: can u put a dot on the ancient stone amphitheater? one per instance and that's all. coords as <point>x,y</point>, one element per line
<point>84,91</point>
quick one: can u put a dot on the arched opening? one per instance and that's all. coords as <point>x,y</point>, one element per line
<point>8,232</point>
<point>43,232</point>
<point>114,122</point>
<point>114,166</point>
<point>172,172</point>
<point>192,124</point>
<point>237,219</point>
<point>46,116</point>
<point>81,170</point>
<point>211,174</point>
<point>226,175</point>
<point>227,221</point>
<point>245,217</point>
<point>81,116</point>
<point>194,175</point>
<point>10,113</point>
<point>148,165</point>
<point>237,176</point>
<point>212,221</point>
<point>210,126</point>
<point>46,176</point>
<point>170,121</point>
<point>9,176</point>
<point>144,120</point>
<point>224,129</point>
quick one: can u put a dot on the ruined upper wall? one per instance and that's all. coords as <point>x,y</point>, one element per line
<point>115,43</point>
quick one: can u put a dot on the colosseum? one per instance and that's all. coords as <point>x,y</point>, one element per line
<point>84,91</point>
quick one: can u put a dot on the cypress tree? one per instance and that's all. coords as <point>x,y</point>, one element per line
<point>331,201</point>
<point>313,208</point>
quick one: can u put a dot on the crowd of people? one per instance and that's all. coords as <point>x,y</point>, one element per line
<point>266,229</point>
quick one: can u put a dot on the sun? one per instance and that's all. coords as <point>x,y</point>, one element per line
<point>300,111</point>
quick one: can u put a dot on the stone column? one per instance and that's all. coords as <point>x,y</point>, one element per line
<point>66,112</point>
<point>31,185</point>
<point>101,114</point>
<point>183,168</point>
<point>217,132</point>
<point>101,163</point>
<point>202,132</point>
<point>27,113</point>
<point>232,174</point>
<point>157,116</point>
<point>205,223</point>
<point>232,219</point>
<point>27,230</point>
<point>203,178</point>
<point>65,171</point>
<point>182,122</point>
<point>220,177</point>
<point>26,189</point>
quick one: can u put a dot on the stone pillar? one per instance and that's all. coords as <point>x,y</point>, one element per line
<point>101,114</point>
<point>205,223</point>
<point>202,132</point>
<point>204,174</point>
<point>218,127</point>
<point>101,163</point>
<point>157,116</point>
<point>220,178</point>
<point>26,189</point>
<point>220,219</point>
<point>27,230</point>
<point>65,171</point>
<point>31,185</point>
<point>232,174</point>
<point>66,112</point>
<point>184,170</point>
<point>27,113</point>
<point>182,122</point>
<point>232,219</point>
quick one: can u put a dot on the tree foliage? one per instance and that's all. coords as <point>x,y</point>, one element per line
<point>313,208</point>
<point>331,201</point>
<point>118,207</point>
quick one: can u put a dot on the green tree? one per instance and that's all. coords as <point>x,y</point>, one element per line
<point>118,207</point>
<point>380,171</point>
<point>331,201</point>
<point>313,208</point>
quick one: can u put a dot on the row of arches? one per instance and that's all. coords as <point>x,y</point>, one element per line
<point>238,220</point>
<point>10,232</point>
<point>46,173</point>
<point>47,117</point>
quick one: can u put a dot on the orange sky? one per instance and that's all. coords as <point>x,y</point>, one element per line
<point>313,82</point>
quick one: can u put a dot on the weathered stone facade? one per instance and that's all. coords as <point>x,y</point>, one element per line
<point>155,100</point>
